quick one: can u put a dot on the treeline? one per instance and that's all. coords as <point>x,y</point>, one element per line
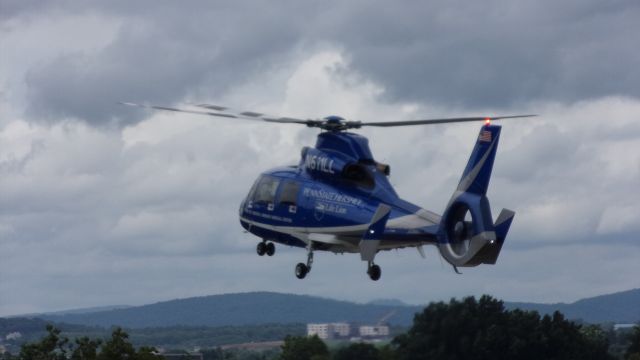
<point>54,346</point>
<point>461,329</point>
<point>479,329</point>
<point>189,337</point>
<point>174,337</point>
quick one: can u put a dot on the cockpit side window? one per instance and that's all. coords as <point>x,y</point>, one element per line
<point>266,190</point>
<point>289,192</point>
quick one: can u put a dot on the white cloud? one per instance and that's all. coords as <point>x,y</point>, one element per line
<point>620,219</point>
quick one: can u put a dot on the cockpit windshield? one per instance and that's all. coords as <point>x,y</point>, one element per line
<point>265,191</point>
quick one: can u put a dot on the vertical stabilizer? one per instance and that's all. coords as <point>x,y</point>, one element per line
<point>475,178</point>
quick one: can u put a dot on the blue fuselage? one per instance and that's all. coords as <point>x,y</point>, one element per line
<point>333,192</point>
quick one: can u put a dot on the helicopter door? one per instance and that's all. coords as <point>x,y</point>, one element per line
<point>288,199</point>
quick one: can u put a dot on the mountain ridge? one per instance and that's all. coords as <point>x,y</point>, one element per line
<point>619,307</point>
<point>271,307</point>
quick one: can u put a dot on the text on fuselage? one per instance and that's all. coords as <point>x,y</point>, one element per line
<point>319,163</point>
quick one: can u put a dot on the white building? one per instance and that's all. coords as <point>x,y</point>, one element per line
<point>329,330</point>
<point>322,330</point>
<point>342,329</point>
<point>374,331</point>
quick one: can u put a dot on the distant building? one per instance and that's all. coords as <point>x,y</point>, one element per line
<point>321,330</point>
<point>342,329</point>
<point>183,356</point>
<point>13,336</point>
<point>623,326</point>
<point>329,330</point>
<point>374,331</point>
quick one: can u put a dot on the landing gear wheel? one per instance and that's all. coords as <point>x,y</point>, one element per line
<point>301,270</point>
<point>374,272</point>
<point>271,249</point>
<point>261,249</point>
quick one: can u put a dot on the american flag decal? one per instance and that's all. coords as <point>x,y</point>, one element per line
<point>485,136</point>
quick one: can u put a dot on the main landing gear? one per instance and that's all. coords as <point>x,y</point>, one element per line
<point>374,271</point>
<point>266,248</point>
<point>303,269</point>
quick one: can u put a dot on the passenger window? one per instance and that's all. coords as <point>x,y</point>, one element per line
<point>289,192</point>
<point>266,190</point>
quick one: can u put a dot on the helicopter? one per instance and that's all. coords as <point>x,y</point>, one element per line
<point>338,198</point>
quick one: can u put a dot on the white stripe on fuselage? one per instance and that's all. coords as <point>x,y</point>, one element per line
<point>420,219</point>
<point>346,238</point>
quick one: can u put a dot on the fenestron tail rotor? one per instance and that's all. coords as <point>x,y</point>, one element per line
<point>330,123</point>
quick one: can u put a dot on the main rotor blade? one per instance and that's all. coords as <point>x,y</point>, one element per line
<point>440,121</point>
<point>252,115</point>
<point>247,115</point>
<point>326,124</point>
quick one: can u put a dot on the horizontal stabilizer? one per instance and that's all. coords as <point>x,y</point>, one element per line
<point>503,223</point>
<point>489,255</point>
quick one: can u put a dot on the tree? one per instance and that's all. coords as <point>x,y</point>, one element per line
<point>86,349</point>
<point>387,352</point>
<point>483,329</point>
<point>304,348</point>
<point>147,353</point>
<point>633,351</point>
<point>51,347</point>
<point>56,347</point>
<point>360,351</point>
<point>118,347</point>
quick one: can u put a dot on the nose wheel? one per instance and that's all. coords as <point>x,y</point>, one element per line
<point>265,248</point>
<point>374,271</point>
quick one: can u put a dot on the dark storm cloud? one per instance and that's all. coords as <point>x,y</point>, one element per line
<point>499,53</point>
<point>160,56</point>
<point>461,54</point>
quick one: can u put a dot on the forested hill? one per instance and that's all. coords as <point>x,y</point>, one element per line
<point>267,307</point>
<point>621,307</point>
<point>241,309</point>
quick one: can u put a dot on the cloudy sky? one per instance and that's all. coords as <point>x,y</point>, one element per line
<point>102,204</point>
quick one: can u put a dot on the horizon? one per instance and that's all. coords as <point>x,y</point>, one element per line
<point>405,304</point>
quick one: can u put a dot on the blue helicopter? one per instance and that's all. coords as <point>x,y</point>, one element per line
<point>338,198</point>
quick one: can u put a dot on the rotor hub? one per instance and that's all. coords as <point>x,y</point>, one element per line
<point>334,123</point>
<point>334,119</point>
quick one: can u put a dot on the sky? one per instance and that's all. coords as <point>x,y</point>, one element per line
<point>102,204</point>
